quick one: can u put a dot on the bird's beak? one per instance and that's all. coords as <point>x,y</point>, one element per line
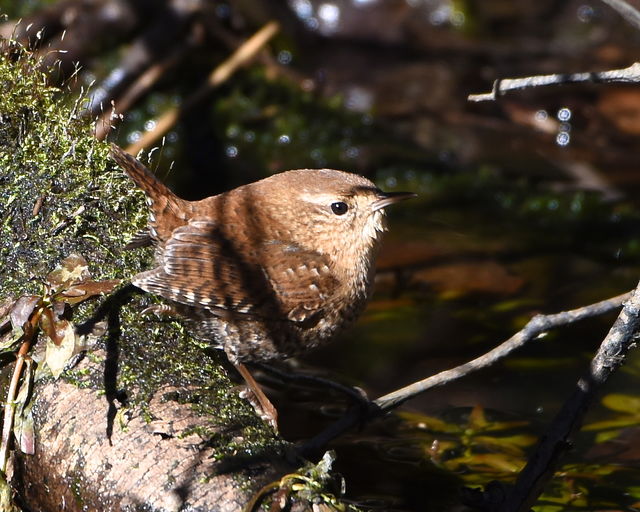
<point>387,198</point>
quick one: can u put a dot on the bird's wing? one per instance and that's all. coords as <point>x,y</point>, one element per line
<point>199,266</point>
<point>301,279</point>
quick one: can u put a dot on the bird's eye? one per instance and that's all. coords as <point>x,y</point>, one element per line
<point>339,208</point>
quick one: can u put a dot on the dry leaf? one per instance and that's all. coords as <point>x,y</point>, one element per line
<point>58,355</point>
<point>5,307</point>
<point>71,270</point>
<point>23,417</point>
<point>22,310</point>
<point>53,325</point>
<point>87,289</point>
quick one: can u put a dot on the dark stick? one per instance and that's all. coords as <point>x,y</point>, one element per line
<point>555,442</point>
<point>535,328</point>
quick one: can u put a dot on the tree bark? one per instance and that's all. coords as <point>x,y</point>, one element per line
<point>158,460</point>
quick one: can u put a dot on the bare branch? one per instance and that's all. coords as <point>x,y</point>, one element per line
<point>107,121</point>
<point>501,86</point>
<point>535,328</point>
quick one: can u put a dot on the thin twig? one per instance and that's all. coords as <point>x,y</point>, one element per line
<point>219,75</point>
<point>501,86</point>
<point>10,405</point>
<point>536,327</point>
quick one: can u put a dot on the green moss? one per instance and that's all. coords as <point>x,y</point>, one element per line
<point>59,193</point>
<point>76,489</point>
<point>79,377</point>
<point>163,355</point>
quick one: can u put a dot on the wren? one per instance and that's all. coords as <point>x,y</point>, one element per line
<point>270,269</point>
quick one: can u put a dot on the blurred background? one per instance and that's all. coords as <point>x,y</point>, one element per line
<point>527,204</point>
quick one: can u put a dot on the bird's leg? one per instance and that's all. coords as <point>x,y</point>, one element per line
<point>269,412</point>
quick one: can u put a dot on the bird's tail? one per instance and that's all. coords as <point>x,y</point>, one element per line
<point>142,176</point>
<point>166,209</point>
